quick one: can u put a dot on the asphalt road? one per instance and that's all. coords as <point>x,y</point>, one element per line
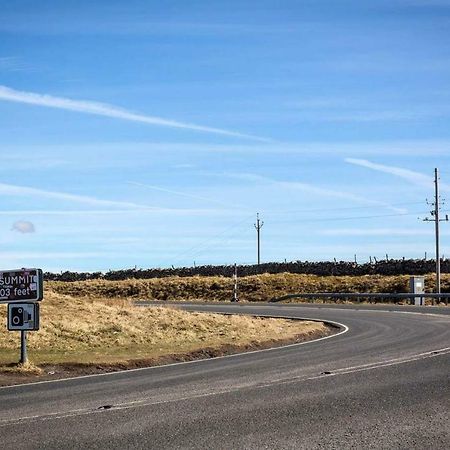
<point>381,383</point>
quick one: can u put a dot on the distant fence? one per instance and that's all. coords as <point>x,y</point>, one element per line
<point>377,297</point>
<point>381,267</point>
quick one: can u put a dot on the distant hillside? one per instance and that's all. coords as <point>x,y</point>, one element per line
<point>339,268</point>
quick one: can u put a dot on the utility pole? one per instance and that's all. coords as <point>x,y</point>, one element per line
<point>435,217</point>
<point>258,226</point>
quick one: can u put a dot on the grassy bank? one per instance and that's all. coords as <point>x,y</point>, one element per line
<point>116,333</point>
<point>252,288</point>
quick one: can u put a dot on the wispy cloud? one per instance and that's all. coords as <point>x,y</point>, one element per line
<point>34,160</point>
<point>118,207</point>
<point>413,177</point>
<point>361,110</point>
<point>366,108</point>
<point>118,153</point>
<point>24,191</point>
<point>315,190</point>
<point>144,210</point>
<point>130,23</point>
<point>118,212</point>
<point>182,194</point>
<point>12,64</point>
<point>103,109</point>
<point>184,166</point>
<point>54,255</point>
<point>378,116</point>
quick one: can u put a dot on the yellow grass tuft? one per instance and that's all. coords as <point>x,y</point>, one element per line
<point>22,369</point>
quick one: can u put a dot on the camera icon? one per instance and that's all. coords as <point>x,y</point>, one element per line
<point>19,316</point>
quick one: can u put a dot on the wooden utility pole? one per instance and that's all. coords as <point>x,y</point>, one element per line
<point>435,217</point>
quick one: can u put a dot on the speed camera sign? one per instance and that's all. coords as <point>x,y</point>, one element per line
<point>23,316</point>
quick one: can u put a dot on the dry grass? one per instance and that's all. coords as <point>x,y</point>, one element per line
<point>253,288</point>
<point>86,330</point>
<point>22,369</point>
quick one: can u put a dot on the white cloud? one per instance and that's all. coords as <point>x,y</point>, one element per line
<point>23,226</point>
<point>103,109</point>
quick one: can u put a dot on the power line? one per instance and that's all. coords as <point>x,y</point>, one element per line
<point>192,250</point>
<point>290,211</point>
<point>333,219</point>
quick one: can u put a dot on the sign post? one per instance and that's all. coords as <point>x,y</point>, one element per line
<point>21,289</point>
<point>23,347</point>
<point>23,317</point>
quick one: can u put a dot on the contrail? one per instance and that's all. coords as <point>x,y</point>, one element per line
<point>416,178</point>
<point>24,191</point>
<point>119,207</point>
<point>183,194</point>
<point>104,109</point>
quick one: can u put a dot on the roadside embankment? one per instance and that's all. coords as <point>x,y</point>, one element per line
<point>251,288</point>
<point>82,335</point>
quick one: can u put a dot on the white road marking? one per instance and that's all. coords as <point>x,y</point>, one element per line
<point>236,355</point>
<point>144,403</point>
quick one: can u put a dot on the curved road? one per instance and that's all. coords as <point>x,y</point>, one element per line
<point>384,383</point>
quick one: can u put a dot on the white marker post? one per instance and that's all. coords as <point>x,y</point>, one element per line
<point>235,289</point>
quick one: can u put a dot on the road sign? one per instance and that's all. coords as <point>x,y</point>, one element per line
<point>21,285</point>
<point>23,316</point>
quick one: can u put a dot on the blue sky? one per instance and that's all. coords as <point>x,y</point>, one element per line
<point>151,133</point>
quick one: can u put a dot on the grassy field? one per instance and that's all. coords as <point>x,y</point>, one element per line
<point>112,331</point>
<point>252,288</point>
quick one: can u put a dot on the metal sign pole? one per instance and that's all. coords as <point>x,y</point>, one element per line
<point>23,347</point>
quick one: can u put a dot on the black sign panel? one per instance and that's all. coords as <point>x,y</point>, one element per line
<point>21,285</point>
